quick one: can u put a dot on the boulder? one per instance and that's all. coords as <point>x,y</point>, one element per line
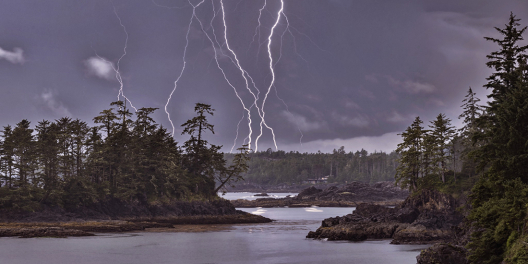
<point>306,193</point>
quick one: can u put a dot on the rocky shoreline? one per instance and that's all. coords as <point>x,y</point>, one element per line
<point>279,188</point>
<point>293,203</point>
<point>425,218</point>
<point>116,216</point>
<point>89,228</point>
<point>349,195</point>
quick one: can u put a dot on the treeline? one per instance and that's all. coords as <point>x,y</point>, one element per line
<point>436,156</point>
<point>493,145</point>
<point>279,167</point>
<point>70,164</point>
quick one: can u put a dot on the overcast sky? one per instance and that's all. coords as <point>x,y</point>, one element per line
<point>347,73</point>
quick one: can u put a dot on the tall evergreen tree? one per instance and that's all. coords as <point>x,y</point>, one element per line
<point>201,160</point>
<point>410,150</point>
<point>505,61</point>
<point>7,155</point>
<point>443,134</point>
<point>499,197</point>
<point>48,160</point>
<point>24,152</point>
<point>204,161</point>
<point>471,112</point>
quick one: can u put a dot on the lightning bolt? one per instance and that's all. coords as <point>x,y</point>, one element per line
<point>257,30</point>
<point>222,70</point>
<point>236,137</point>
<point>244,73</point>
<point>249,83</point>
<point>287,29</point>
<point>184,62</point>
<point>272,70</point>
<point>118,64</point>
<point>193,16</point>
<point>168,7</point>
<point>288,110</point>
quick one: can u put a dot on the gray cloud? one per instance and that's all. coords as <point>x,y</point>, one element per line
<point>302,123</point>
<point>413,87</point>
<point>100,67</point>
<point>49,98</point>
<point>396,117</point>
<point>15,56</point>
<point>357,120</point>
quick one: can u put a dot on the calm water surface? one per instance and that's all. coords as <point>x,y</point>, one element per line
<point>282,241</point>
<point>251,195</point>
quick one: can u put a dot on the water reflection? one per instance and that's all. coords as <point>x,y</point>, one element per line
<point>259,211</point>
<point>313,209</point>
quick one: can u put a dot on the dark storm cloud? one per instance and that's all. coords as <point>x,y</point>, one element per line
<point>351,73</point>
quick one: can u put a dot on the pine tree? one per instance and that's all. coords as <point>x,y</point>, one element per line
<point>471,112</point>
<point>7,155</point>
<point>442,136</point>
<point>201,160</point>
<point>505,62</point>
<point>204,161</point>
<point>24,152</point>
<point>48,160</point>
<point>410,161</point>
<point>499,197</point>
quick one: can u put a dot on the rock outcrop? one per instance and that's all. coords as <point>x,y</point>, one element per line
<point>355,191</point>
<point>349,195</point>
<point>425,218</point>
<point>451,251</point>
<point>443,253</point>
<point>42,232</point>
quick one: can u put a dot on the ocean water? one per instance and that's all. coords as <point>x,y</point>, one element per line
<point>251,195</point>
<point>282,241</point>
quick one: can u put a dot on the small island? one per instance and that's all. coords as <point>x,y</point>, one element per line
<point>64,178</point>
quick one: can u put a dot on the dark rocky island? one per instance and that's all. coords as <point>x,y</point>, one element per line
<point>276,188</point>
<point>424,218</point>
<point>348,195</point>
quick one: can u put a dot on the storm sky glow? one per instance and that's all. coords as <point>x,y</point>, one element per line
<point>351,73</point>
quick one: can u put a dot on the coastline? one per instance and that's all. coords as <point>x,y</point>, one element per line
<point>293,203</point>
<point>90,227</point>
<point>348,195</point>
<point>427,217</point>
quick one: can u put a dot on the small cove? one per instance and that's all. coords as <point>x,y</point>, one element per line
<point>282,241</point>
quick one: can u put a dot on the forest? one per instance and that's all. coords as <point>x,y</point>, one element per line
<point>69,164</point>
<point>493,148</point>
<point>280,167</point>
